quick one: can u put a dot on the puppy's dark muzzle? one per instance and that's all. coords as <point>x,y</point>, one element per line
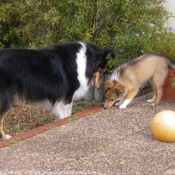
<point>105,108</point>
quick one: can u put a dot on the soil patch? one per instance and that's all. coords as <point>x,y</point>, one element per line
<point>24,117</point>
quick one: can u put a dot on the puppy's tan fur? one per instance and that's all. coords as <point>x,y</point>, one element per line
<point>131,76</point>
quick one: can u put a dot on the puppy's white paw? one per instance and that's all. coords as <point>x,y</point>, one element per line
<point>8,136</point>
<point>117,104</point>
<point>150,100</point>
<point>122,106</point>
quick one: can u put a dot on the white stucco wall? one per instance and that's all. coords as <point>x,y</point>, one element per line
<point>170,6</point>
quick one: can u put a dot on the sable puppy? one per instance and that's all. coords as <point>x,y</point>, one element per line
<point>128,78</point>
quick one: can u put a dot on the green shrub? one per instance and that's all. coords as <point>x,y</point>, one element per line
<point>126,26</point>
<point>159,40</point>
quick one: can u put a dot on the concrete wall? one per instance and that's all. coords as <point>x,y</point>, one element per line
<point>170,6</point>
<point>96,94</point>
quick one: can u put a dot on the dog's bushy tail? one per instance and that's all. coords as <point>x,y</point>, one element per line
<point>171,64</point>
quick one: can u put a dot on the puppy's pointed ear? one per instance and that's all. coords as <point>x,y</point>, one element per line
<point>115,82</point>
<point>119,88</point>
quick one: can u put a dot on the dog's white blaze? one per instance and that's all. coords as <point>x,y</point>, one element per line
<point>60,110</point>
<point>125,103</point>
<point>81,69</point>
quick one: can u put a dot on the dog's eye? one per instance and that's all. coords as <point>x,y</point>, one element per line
<point>107,89</point>
<point>106,97</point>
<point>117,91</point>
<point>112,99</point>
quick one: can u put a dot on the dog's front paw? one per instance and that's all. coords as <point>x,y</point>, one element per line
<point>151,104</point>
<point>118,104</point>
<point>150,100</point>
<point>123,106</point>
<point>8,136</point>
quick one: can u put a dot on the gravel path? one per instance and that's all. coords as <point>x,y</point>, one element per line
<point>113,141</point>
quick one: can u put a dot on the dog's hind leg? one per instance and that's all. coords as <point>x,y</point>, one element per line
<point>6,96</point>
<point>159,96</point>
<point>159,93</point>
<point>8,88</point>
<point>5,100</point>
<point>151,100</point>
<point>158,81</point>
<point>2,134</point>
<point>132,93</point>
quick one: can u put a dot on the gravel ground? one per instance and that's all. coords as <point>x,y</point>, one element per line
<point>113,141</point>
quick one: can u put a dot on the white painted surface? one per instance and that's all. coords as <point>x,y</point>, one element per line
<point>170,6</point>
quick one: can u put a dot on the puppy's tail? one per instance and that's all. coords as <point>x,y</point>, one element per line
<point>171,64</point>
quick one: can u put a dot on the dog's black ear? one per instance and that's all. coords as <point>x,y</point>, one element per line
<point>107,53</point>
<point>110,54</point>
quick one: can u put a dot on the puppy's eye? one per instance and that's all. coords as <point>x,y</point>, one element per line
<point>112,99</point>
<point>117,91</point>
<point>106,97</point>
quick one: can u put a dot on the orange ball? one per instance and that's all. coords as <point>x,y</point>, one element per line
<point>163,126</point>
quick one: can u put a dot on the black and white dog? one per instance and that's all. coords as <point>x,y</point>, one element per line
<point>55,75</point>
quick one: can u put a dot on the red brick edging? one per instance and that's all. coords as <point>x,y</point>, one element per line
<point>58,123</point>
<point>48,126</point>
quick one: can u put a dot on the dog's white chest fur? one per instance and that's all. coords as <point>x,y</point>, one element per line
<point>81,69</point>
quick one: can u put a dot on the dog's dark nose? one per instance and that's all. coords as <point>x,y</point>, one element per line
<point>105,108</point>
